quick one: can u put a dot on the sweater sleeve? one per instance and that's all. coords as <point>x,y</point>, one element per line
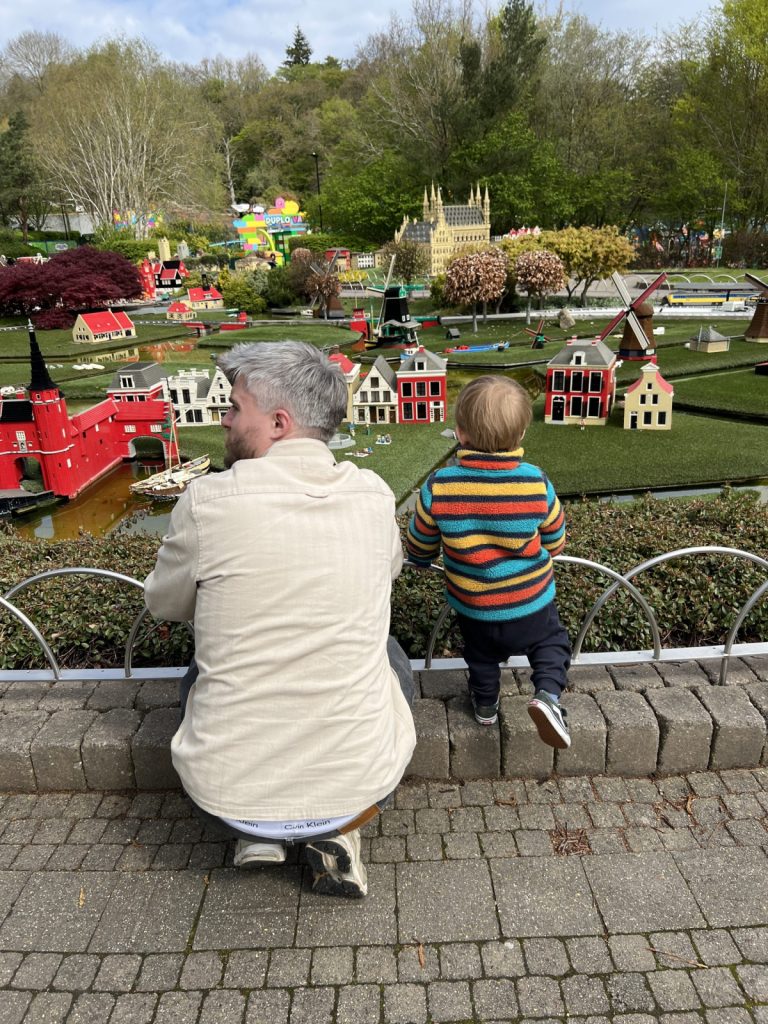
<point>552,529</point>
<point>170,589</point>
<point>423,537</point>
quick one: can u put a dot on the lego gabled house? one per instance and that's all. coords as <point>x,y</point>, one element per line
<point>179,311</point>
<point>375,400</point>
<point>648,402</point>
<point>421,388</point>
<point>351,373</point>
<point>197,400</point>
<point>74,451</point>
<point>581,384</point>
<point>204,298</point>
<point>104,325</point>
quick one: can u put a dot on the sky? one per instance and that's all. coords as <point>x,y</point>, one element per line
<point>190,30</point>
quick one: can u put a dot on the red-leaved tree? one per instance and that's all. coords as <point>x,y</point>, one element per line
<point>476,277</point>
<point>75,280</point>
<point>539,273</point>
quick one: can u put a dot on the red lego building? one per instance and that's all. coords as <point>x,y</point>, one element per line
<point>581,384</point>
<point>74,451</point>
<point>421,388</point>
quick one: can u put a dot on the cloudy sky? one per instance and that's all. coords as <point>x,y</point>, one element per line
<point>188,30</point>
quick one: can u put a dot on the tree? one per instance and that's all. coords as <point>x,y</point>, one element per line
<point>77,279</point>
<point>323,285</point>
<point>538,273</point>
<point>20,189</point>
<point>299,52</point>
<point>411,260</point>
<point>590,254</point>
<point>300,270</point>
<point>240,292</point>
<point>31,55</point>
<point>112,134</point>
<point>474,278</point>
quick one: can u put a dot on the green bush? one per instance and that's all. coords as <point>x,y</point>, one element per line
<point>695,598</point>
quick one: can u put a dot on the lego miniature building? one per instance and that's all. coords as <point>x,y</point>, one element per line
<point>204,298</point>
<point>102,326</point>
<point>648,402</point>
<point>179,311</point>
<point>709,340</point>
<point>197,399</point>
<point>581,384</point>
<point>444,228</point>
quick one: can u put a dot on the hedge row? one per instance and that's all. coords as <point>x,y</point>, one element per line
<point>695,598</point>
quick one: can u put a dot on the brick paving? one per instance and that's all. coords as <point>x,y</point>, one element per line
<point>597,899</point>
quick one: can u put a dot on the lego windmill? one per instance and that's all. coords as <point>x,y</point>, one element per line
<point>758,328</point>
<point>637,341</point>
<point>538,335</point>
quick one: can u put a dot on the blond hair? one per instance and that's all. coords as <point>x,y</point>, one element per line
<point>493,414</point>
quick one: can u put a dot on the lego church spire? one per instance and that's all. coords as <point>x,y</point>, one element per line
<point>41,379</point>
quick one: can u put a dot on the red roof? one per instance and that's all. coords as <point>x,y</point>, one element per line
<point>179,307</point>
<point>663,384</point>
<point>345,363</point>
<point>168,275</point>
<point>106,320</point>
<point>203,294</point>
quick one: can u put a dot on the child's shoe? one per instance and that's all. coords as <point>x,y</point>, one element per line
<point>550,719</point>
<point>485,714</point>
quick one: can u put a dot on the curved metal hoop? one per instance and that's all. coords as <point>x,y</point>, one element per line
<point>17,613</point>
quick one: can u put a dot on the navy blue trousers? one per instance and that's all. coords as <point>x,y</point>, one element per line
<point>541,637</point>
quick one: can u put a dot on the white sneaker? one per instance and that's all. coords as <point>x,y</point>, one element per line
<point>337,866</point>
<point>258,853</point>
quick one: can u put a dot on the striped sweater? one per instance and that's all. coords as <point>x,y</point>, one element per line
<point>500,523</point>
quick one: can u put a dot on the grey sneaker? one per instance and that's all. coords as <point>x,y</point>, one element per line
<point>337,866</point>
<point>258,853</point>
<point>551,720</point>
<point>485,714</point>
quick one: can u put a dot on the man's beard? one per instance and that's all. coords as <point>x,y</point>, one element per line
<point>234,452</point>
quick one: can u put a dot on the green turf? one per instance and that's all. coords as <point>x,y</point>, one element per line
<point>740,391</point>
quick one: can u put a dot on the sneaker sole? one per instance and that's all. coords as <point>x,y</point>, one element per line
<point>548,733</point>
<point>327,859</point>
<point>486,721</point>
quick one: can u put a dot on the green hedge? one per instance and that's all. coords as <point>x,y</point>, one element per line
<point>87,622</point>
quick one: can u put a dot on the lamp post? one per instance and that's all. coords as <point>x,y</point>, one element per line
<point>316,158</point>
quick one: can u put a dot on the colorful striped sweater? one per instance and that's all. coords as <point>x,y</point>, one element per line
<point>500,523</point>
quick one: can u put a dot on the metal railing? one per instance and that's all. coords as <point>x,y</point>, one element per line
<point>618,581</point>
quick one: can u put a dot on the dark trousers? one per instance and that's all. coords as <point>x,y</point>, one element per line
<point>398,659</point>
<point>541,637</point>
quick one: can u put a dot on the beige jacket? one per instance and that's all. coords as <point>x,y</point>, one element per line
<point>285,564</point>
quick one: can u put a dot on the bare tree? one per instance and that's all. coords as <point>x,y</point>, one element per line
<point>31,55</point>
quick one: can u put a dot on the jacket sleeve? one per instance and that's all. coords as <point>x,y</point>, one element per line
<point>171,588</point>
<point>423,538</point>
<point>552,529</point>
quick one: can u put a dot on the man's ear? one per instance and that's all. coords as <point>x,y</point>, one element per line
<point>282,424</point>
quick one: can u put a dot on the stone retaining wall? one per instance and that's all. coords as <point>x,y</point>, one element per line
<point>638,720</point>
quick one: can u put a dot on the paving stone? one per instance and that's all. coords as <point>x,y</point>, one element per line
<point>334,922</point>
<point>715,947</point>
<point>734,1015</point>
<point>589,679</point>
<point>738,672</point>
<point>605,815</point>
<point>545,956</point>
<point>522,752</point>
<point>55,750</point>
<point>269,1007</point>
<point>106,749</point>
<point>37,971</point>
<point>460,960</point>
<point>589,955</point>
<point>41,919</point>
<point>758,694</point>
<point>397,822</point>
<point>503,959</point>
<point>32,858</point>
<point>672,949</point>
<point>461,846</point>
<point>442,684</point>
<point>717,987</point>
<point>248,908</point>
<point>444,794</point>
<point>430,759</point>
<point>149,913</point>
<point>135,1008</point>
<point>246,968</point>
<point>753,943</point>
<point>18,729</point>
<point>49,1008</point>
<point>687,673</point>
<point>529,898</point>
<point>359,1004</point>
<point>76,972</point>
<point>445,901</point>
<point>498,844</point>
<point>745,833</point>
<point>93,1008</point>
<point>157,693</point>
<point>387,849</point>
<point>289,968</point>
<point>424,847</point>
<point>418,963</point>
<point>730,886</point>
<point>739,729</point>
<point>449,1000</point>
<point>160,972</point>
<point>112,694</point>
<point>8,965</point>
<point>477,792</point>
<point>151,750</point>
<point>631,953</point>
<point>630,993</point>
<point>584,995</point>
<point>222,1008</point>
<point>475,750</point>
<point>466,819</point>
<point>539,997</point>
<point>405,1004</point>
<point>201,971</point>
<point>117,973</point>
<point>673,990</point>
<point>685,731</point>
<point>66,695</point>
<point>536,816</point>
<point>759,665</point>
<point>332,966</point>
<point>375,963</point>
<point>633,734</point>
<point>13,1006</point>
<point>495,1000</point>
<point>754,980</point>
<point>635,677</point>
<point>412,794</point>
<point>178,1007</point>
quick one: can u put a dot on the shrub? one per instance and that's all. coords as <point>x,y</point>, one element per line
<point>54,319</point>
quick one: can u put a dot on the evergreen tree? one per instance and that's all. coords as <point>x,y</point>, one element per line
<point>299,52</point>
<point>19,181</point>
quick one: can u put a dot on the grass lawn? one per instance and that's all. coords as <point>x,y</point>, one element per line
<point>696,450</point>
<point>741,391</point>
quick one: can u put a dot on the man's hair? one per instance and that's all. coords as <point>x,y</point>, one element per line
<point>493,414</point>
<point>291,375</point>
